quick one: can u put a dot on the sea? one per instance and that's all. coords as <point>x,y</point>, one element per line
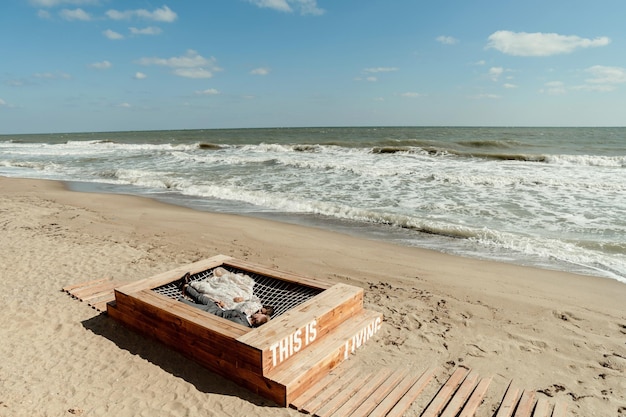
<point>552,198</point>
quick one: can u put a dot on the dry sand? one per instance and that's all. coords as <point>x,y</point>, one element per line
<point>561,334</point>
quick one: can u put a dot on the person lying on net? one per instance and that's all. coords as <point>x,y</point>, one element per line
<point>205,303</point>
<point>235,291</point>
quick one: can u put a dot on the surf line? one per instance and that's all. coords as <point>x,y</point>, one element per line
<point>361,337</point>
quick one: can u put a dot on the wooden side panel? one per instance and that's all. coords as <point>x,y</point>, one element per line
<point>224,365</point>
<point>176,273</point>
<point>177,324</point>
<point>274,273</point>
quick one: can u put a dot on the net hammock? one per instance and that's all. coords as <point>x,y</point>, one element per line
<point>281,295</point>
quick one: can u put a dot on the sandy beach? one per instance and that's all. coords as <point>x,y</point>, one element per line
<point>561,334</point>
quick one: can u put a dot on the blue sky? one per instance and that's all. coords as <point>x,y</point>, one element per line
<point>109,65</point>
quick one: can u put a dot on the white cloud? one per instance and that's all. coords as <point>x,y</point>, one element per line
<point>193,72</point>
<point>208,92</point>
<point>190,65</point>
<point>189,60</point>
<point>411,95</point>
<point>140,76</point>
<point>485,96</point>
<point>447,40</point>
<point>509,85</point>
<point>603,79</point>
<point>44,14</point>
<point>260,71</point>
<point>305,7</point>
<point>150,30</point>
<point>380,69</point>
<point>101,65</point>
<point>554,88</point>
<point>606,75</point>
<point>7,105</point>
<point>164,14</point>
<point>76,14</point>
<point>112,35</point>
<point>495,73</point>
<point>124,105</point>
<point>540,44</point>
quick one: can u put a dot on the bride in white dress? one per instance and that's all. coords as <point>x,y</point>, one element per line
<point>230,291</point>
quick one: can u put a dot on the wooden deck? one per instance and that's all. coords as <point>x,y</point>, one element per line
<point>387,393</point>
<point>295,359</point>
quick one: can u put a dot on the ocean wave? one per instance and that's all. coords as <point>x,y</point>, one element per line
<point>210,146</point>
<point>490,143</point>
<point>587,160</point>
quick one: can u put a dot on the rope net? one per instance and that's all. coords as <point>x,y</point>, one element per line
<point>281,295</point>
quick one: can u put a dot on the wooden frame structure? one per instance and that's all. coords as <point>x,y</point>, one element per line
<point>279,360</point>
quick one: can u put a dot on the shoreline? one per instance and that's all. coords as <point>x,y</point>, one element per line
<point>363,230</point>
<point>496,318</point>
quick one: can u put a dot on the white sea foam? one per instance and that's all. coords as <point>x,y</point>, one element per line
<point>558,208</point>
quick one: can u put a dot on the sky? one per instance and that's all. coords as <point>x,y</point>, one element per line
<point>113,65</point>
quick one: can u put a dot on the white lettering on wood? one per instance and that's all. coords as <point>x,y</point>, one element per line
<point>293,343</point>
<point>361,337</point>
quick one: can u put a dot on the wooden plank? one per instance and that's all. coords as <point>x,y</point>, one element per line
<point>511,397</point>
<point>398,392</point>
<point>274,273</point>
<point>323,388</point>
<point>84,284</point>
<point>560,409</point>
<point>476,399</point>
<point>543,408</point>
<point>380,394</point>
<point>329,397</point>
<point>342,396</point>
<point>102,305</point>
<point>411,395</point>
<point>174,274</point>
<point>358,396</point>
<point>462,394</point>
<point>84,292</point>
<point>103,292</point>
<point>526,404</point>
<point>445,393</point>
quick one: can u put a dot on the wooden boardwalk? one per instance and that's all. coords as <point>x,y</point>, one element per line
<point>320,385</point>
<point>347,392</point>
